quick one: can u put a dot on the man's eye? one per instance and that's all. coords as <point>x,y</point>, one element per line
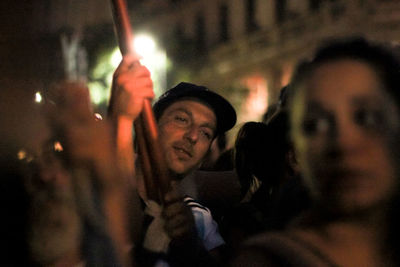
<point>314,126</point>
<point>181,119</point>
<point>368,118</point>
<point>206,134</point>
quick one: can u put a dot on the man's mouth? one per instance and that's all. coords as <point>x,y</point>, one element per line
<point>182,152</point>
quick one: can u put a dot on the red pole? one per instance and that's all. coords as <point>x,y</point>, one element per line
<point>153,163</point>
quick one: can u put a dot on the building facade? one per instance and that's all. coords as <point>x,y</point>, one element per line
<point>244,49</point>
<point>247,49</point>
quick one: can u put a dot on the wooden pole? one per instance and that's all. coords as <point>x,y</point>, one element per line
<point>150,153</point>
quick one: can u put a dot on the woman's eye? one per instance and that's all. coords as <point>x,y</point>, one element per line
<point>314,126</point>
<point>368,118</point>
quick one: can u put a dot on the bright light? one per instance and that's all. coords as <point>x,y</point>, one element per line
<point>116,57</point>
<point>98,117</point>
<point>256,102</point>
<point>38,97</point>
<point>144,45</point>
<point>152,56</point>
<point>58,147</point>
<point>98,93</point>
<point>25,156</point>
<point>21,154</point>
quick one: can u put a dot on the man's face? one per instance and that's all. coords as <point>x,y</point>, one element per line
<point>343,125</point>
<point>187,129</point>
<point>54,228</point>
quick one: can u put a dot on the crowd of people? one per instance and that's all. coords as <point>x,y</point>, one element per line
<point>315,184</point>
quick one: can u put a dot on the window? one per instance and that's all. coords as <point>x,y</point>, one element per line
<point>251,24</point>
<point>280,10</point>
<point>200,33</point>
<point>314,5</point>
<point>223,23</point>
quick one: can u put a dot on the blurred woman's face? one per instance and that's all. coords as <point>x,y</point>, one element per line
<point>343,126</point>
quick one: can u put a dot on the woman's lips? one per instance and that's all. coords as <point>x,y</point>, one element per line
<point>349,177</point>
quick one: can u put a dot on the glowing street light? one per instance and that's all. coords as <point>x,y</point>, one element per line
<point>38,97</point>
<point>144,45</point>
<point>152,56</point>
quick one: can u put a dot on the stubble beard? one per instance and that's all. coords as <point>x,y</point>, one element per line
<point>55,227</point>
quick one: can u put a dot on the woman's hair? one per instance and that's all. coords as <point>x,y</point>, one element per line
<point>261,150</point>
<point>250,147</point>
<point>382,59</point>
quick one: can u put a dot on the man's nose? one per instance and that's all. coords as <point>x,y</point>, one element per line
<point>47,174</point>
<point>192,134</point>
<point>52,173</point>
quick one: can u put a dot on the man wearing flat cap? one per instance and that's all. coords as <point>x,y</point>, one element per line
<point>189,118</point>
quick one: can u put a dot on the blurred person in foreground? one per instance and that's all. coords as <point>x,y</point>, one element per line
<point>57,215</point>
<point>345,126</point>
<point>189,117</point>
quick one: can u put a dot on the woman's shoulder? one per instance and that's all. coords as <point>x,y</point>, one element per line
<point>279,249</point>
